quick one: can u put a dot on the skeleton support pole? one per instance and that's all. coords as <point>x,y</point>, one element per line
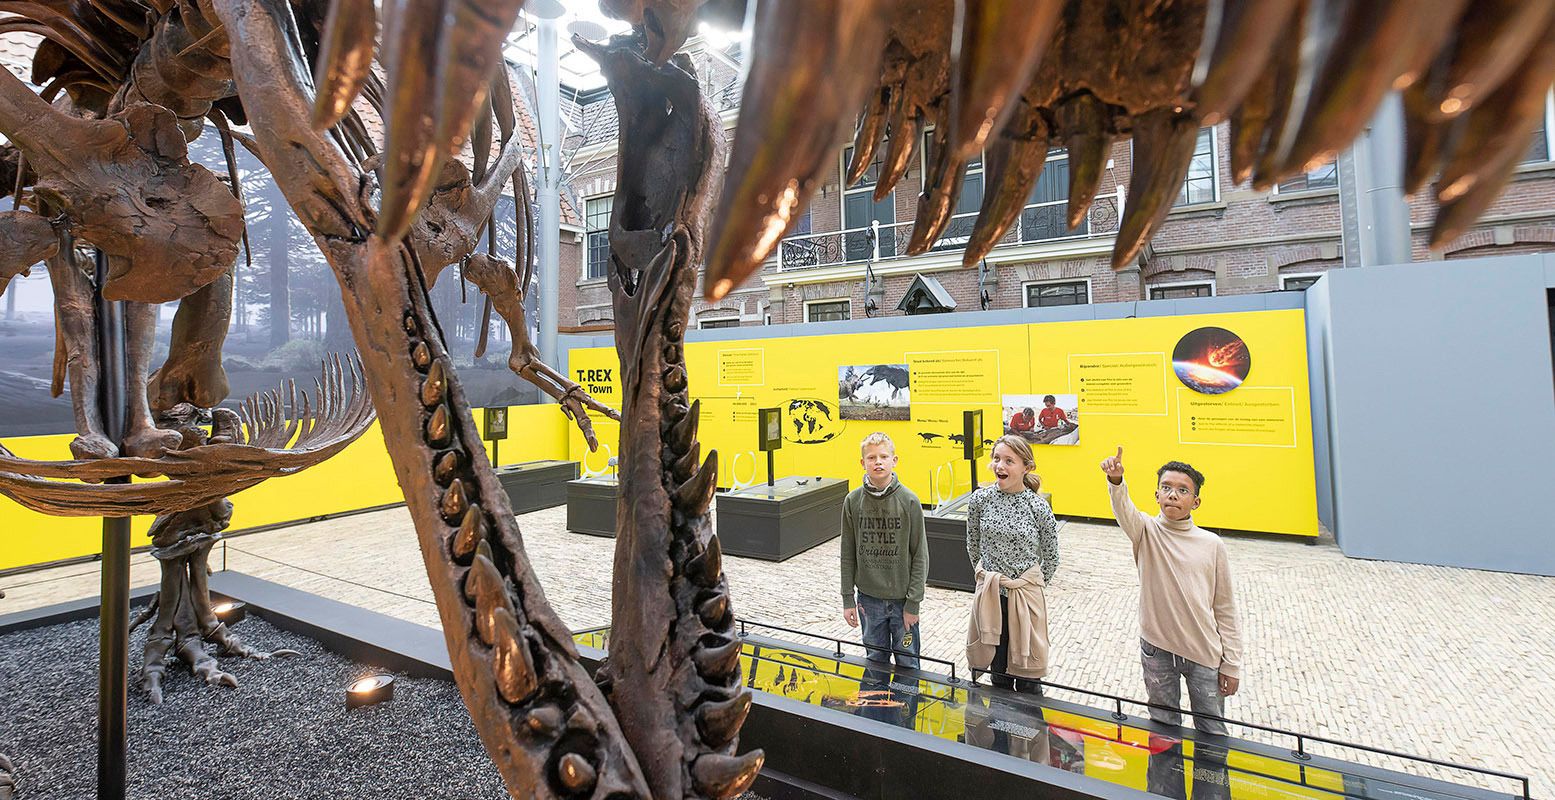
<point>114,633</point>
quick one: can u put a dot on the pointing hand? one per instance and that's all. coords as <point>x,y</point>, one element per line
<point>1112,466</point>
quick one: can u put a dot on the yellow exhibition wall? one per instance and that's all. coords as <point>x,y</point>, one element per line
<point>358,477</point>
<point>1253,443</point>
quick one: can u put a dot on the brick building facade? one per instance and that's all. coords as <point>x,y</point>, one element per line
<point>846,257</point>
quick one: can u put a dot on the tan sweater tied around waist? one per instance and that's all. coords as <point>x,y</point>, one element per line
<point>1028,623</point>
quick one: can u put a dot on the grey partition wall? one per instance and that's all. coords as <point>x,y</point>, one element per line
<point>1439,391</point>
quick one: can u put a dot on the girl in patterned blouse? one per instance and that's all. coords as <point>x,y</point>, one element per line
<point>1010,529</point>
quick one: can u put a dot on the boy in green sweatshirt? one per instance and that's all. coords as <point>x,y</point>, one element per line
<point>885,556</point>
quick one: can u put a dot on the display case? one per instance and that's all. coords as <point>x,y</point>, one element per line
<point>534,485</point>
<point>780,521</point>
<point>591,505</point>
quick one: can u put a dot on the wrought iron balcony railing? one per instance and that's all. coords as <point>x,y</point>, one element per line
<point>1038,222</point>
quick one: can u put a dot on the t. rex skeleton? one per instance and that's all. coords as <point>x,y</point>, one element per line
<point>1009,76</point>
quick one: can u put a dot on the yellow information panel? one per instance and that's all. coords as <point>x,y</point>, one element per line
<point>1225,392</point>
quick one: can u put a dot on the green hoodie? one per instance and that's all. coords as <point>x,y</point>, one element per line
<point>885,552</point>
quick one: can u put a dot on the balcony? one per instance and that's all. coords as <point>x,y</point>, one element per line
<point>1038,223</point>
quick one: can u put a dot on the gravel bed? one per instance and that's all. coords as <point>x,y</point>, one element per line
<point>285,732</point>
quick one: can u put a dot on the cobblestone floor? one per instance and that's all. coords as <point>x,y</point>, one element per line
<point>1451,664</point>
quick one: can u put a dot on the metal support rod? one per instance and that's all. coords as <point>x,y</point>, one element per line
<point>114,620</point>
<point>548,191</point>
<point>770,481</point>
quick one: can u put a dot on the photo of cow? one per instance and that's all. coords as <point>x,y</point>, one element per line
<point>876,392</point>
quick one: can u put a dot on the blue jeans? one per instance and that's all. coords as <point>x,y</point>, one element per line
<point>884,627</point>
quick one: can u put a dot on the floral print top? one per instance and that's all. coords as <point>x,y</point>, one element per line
<point>1011,533</point>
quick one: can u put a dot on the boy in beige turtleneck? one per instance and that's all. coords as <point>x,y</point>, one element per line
<point>1187,616</point>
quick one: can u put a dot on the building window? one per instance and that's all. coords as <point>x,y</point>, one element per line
<point>1176,291</point>
<point>1067,293</point>
<point>718,322</point>
<point>860,209</point>
<point>1298,283</point>
<point>828,311</point>
<point>597,235</point>
<point>1324,177</point>
<point>1199,186</point>
<point>1539,147</point>
<point>1046,213</point>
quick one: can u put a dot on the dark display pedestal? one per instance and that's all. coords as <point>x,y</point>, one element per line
<point>534,485</point>
<point>591,506</point>
<point>949,567</point>
<point>781,521</point>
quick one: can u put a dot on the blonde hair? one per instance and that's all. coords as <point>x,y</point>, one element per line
<point>875,439</point>
<point>1022,451</point>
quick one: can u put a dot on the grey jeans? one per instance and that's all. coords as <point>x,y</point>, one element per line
<point>1164,674</point>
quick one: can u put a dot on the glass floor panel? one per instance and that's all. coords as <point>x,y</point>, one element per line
<point>1132,752</point>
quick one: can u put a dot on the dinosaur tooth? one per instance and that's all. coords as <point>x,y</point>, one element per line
<point>469,51</point>
<point>435,387</point>
<point>866,139</point>
<point>1163,149</point>
<point>1084,124</point>
<point>1425,137</point>
<point>1493,38</point>
<point>1495,134</point>
<point>807,76</point>
<point>1011,165</point>
<point>936,204</point>
<point>485,587</point>
<point>684,431</point>
<point>723,777</point>
<point>412,327</point>
<point>997,47</point>
<point>345,59</point>
<point>675,378</point>
<point>716,657</point>
<point>575,773</point>
<point>511,663</point>
<point>694,495</point>
<point>687,464</point>
<point>719,722</point>
<point>713,609</point>
<point>1495,137</point>
<point>440,427</point>
<point>421,356</point>
<point>1238,40</point>
<point>543,720</point>
<point>706,567</point>
<point>471,533</point>
<point>1375,44</point>
<point>447,466</point>
<point>1250,126</point>
<point>901,142</point>
<point>410,153</point>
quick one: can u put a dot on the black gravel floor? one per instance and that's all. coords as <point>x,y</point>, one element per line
<point>284,733</point>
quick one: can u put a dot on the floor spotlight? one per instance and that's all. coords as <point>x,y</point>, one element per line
<point>370,690</point>
<point>231,612</point>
